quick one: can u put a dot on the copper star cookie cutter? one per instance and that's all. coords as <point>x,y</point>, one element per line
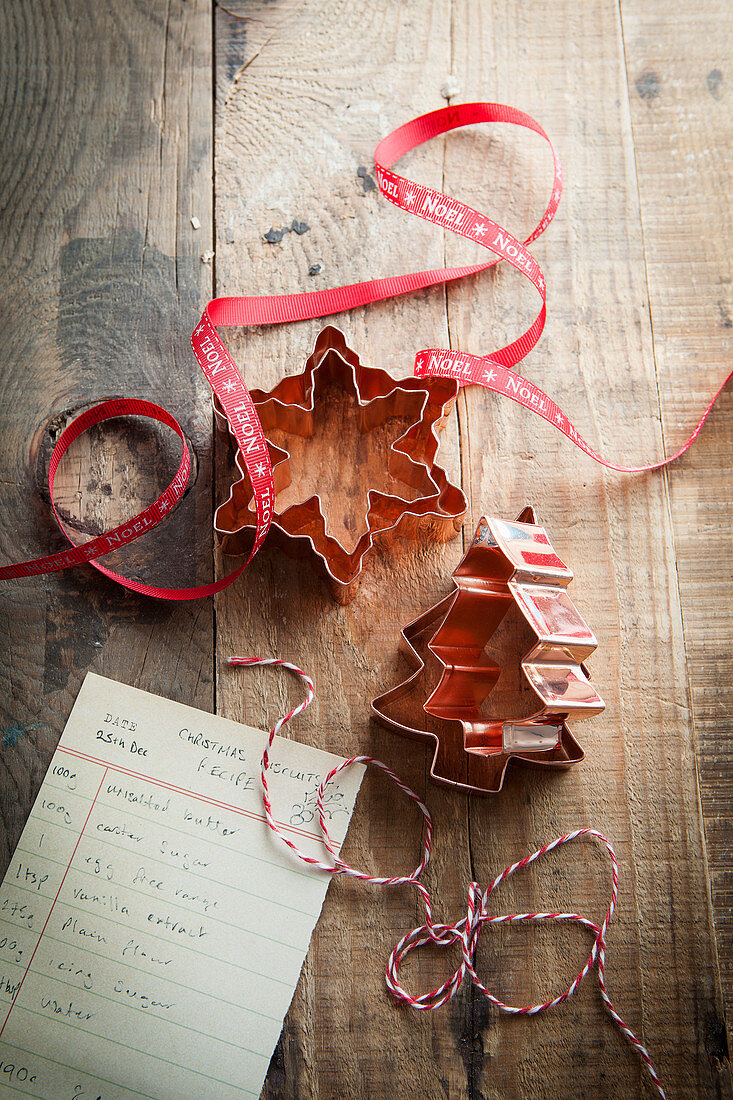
<point>508,563</point>
<point>427,503</point>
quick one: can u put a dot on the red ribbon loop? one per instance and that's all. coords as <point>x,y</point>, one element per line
<point>493,371</point>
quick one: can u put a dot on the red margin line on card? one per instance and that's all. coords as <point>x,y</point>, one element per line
<point>191,794</point>
<point>63,880</point>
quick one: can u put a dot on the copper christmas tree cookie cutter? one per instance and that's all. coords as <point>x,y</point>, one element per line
<point>507,564</point>
<point>432,506</point>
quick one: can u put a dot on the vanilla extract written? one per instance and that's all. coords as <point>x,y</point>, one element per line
<point>104,901</point>
<point>176,927</point>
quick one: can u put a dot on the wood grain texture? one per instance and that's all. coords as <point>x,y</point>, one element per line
<point>106,134</point>
<point>106,126</point>
<point>679,72</point>
<point>302,96</point>
<point>638,783</point>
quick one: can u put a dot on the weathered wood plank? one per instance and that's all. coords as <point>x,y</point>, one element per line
<point>638,783</point>
<point>106,155</point>
<point>300,101</point>
<point>679,72</point>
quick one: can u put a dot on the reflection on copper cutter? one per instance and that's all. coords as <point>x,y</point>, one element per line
<point>432,506</point>
<point>507,564</point>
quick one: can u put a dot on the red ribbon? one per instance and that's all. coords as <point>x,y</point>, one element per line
<point>491,371</point>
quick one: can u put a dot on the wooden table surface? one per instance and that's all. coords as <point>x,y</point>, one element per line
<point>119,123</point>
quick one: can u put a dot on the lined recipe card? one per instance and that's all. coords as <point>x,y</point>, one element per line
<point>152,927</point>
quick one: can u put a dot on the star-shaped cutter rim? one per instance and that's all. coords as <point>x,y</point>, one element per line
<point>301,529</point>
<point>507,563</point>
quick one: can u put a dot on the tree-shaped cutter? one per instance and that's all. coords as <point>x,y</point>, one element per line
<point>507,563</point>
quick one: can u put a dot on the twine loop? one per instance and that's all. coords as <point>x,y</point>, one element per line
<point>467,930</point>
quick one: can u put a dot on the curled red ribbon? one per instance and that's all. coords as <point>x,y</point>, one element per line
<point>492,371</point>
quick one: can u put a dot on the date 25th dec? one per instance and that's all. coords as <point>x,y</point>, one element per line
<point>111,738</point>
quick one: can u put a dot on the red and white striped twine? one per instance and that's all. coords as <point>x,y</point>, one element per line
<point>465,931</point>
